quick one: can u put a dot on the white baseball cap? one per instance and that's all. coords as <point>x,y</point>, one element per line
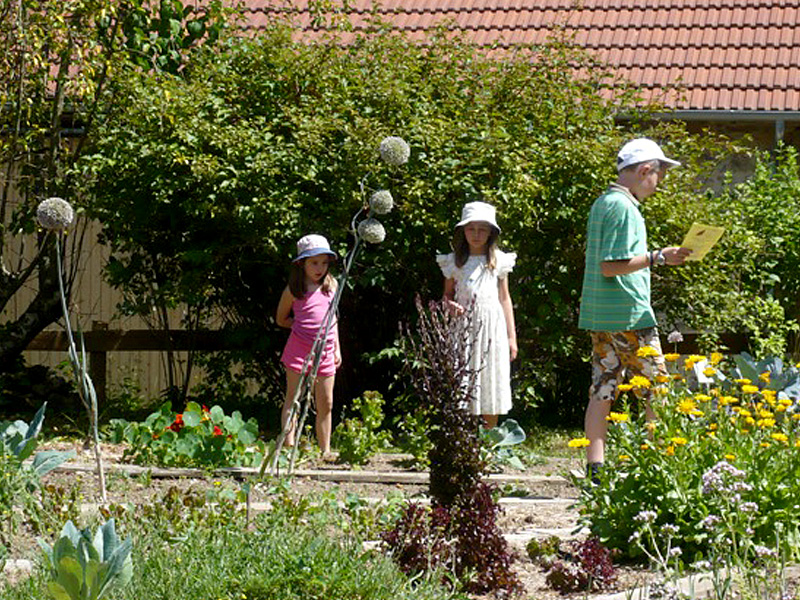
<point>641,150</point>
<point>479,211</point>
<point>312,245</point>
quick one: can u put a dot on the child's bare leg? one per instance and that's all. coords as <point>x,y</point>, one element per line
<point>596,428</point>
<point>490,421</point>
<point>292,380</point>
<point>324,400</point>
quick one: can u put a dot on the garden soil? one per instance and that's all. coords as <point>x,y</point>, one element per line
<point>536,503</point>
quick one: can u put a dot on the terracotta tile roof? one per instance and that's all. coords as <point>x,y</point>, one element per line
<point>733,55</point>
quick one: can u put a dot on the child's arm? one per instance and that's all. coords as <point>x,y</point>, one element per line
<point>508,311</point>
<point>282,317</point>
<point>448,297</point>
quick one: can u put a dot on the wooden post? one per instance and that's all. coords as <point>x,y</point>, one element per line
<point>97,366</point>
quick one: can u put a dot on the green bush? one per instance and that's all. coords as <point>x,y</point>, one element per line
<point>197,437</point>
<point>358,439</point>
<point>720,463</point>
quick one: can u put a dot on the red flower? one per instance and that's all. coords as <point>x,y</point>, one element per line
<point>217,430</point>
<point>205,408</point>
<point>178,424</point>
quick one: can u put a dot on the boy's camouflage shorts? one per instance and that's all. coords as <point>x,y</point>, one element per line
<point>614,360</point>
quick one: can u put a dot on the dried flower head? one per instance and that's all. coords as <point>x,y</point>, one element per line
<point>675,337</point>
<point>55,214</point>
<point>381,202</point>
<point>395,151</point>
<point>371,230</point>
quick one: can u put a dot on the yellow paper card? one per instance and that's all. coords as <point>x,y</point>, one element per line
<point>700,239</point>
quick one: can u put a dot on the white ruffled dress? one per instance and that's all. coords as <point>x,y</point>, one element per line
<point>475,282</point>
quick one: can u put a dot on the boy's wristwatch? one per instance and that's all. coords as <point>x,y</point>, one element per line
<point>660,259</point>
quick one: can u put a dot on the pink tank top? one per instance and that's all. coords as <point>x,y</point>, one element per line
<point>309,313</point>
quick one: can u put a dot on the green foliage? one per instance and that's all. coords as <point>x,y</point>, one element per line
<point>85,566</point>
<point>18,478</point>
<point>265,139</point>
<point>412,436</point>
<point>198,436</point>
<point>358,439</point>
<point>721,451</point>
<point>498,445</point>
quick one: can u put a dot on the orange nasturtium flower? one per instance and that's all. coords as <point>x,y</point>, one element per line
<point>578,442</point>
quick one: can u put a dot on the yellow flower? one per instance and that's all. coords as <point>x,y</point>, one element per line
<point>638,381</point>
<point>785,402</point>
<point>750,389</point>
<point>725,400</point>
<point>692,360</point>
<point>578,443</point>
<point>672,356</point>
<point>766,423</point>
<point>797,444</point>
<point>697,413</point>
<point>624,387</point>
<point>730,457</point>
<point>651,426</point>
<point>764,444</point>
<point>743,381</point>
<point>796,417</point>
<point>765,414</point>
<point>644,447</point>
<point>716,358</point>
<point>686,406</point>
<point>677,377</point>
<point>711,434</point>
<point>743,412</point>
<point>780,437</point>
<point>646,352</point>
<point>702,397</point>
<point>662,378</point>
<point>616,417</point>
<point>624,457</point>
<point>678,441</point>
<point>750,421</point>
<point>669,451</point>
<point>709,371</point>
<point>712,426</point>
<point>764,377</point>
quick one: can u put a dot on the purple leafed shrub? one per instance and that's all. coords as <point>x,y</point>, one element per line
<point>592,569</point>
<point>459,533</point>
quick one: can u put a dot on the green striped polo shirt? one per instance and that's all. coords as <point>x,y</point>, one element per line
<point>616,231</point>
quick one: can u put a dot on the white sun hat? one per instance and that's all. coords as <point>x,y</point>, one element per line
<point>641,150</point>
<point>479,211</point>
<point>312,245</point>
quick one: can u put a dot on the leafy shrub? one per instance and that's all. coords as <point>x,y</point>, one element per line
<point>358,439</point>
<point>723,451</point>
<point>590,569</point>
<point>18,478</point>
<point>498,445</point>
<point>196,437</point>
<point>459,534</point>
<point>412,437</point>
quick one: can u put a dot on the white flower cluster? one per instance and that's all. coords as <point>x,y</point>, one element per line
<point>55,214</point>
<point>370,230</point>
<point>395,151</point>
<point>381,202</point>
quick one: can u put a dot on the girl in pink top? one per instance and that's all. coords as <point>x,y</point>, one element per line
<point>302,308</point>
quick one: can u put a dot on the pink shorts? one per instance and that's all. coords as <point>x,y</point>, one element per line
<point>296,350</point>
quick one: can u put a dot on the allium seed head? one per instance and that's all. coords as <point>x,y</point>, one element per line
<point>395,151</point>
<point>55,214</point>
<point>381,202</point>
<point>371,231</point>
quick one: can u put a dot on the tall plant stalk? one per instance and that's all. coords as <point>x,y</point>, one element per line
<point>395,152</point>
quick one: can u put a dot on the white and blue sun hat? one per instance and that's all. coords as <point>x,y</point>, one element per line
<point>313,245</point>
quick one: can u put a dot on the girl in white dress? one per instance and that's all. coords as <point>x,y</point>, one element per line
<point>476,275</point>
